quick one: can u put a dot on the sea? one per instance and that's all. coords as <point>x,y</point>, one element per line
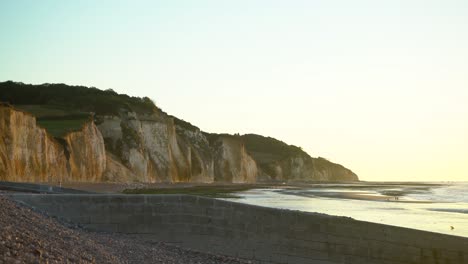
<point>430,206</point>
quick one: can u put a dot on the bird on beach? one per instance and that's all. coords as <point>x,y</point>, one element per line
<point>452,228</point>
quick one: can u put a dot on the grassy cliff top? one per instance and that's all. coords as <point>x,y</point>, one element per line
<point>73,98</point>
<point>61,108</point>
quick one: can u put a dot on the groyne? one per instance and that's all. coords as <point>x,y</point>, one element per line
<point>252,232</point>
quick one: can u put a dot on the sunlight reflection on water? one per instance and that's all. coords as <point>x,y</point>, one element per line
<point>449,206</point>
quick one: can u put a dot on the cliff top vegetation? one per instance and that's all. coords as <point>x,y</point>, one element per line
<point>85,99</point>
<point>257,143</point>
<point>62,108</point>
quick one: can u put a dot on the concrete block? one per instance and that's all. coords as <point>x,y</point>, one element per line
<point>270,235</point>
<point>82,220</point>
<point>59,198</point>
<point>179,218</point>
<point>165,208</point>
<point>171,199</point>
<point>154,199</point>
<point>358,249</point>
<point>136,199</point>
<point>241,252</point>
<point>278,258</point>
<point>100,199</point>
<point>446,242</point>
<point>188,199</point>
<point>190,209</point>
<point>102,227</point>
<point>83,198</point>
<point>304,260</point>
<point>350,259</point>
<point>120,199</point>
<point>221,222</point>
<point>205,202</point>
<point>99,218</point>
<point>115,208</point>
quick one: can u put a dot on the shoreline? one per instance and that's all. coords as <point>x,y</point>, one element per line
<point>352,190</point>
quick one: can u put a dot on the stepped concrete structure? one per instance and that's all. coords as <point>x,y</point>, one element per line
<point>252,232</point>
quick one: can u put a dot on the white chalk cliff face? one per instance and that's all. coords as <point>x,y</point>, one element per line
<point>29,154</point>
<point>160,148</point>
<point>155,147</point>
<point>233,163</point>
<point>150,148</point>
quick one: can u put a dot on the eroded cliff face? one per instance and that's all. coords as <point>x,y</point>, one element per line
<point>330,171</point>
<point>278,161</point>
<point>132,147</point>
<point>155,149</point>
<point>151,147</point>
<point>232,162</point>
<point>145,148</point>
<point>29,154</point>
<point>304,168</point>
<point>87,154</point>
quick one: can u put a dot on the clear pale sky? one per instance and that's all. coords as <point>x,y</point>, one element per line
<point>378,86</point>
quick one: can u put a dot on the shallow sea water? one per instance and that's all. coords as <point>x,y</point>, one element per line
<point>446,207</point>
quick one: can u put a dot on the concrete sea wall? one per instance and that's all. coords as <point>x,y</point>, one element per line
<point>264,234</point>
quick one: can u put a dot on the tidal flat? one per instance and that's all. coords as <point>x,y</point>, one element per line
<point>435,207</point>
<point>440,207</point>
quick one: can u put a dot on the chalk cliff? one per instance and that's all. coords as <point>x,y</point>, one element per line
<point>86,154</point>
<point>129,139</point>
<point>232,162</point>
<point>28,153</point>
<point>151,148</point>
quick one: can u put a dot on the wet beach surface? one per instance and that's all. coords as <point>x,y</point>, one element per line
<point>434,207</point>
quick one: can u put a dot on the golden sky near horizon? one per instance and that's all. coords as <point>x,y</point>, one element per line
<point>378,86</point>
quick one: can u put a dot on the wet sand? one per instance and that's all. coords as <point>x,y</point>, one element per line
<point>366,196</point>
<point>439,207</point>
